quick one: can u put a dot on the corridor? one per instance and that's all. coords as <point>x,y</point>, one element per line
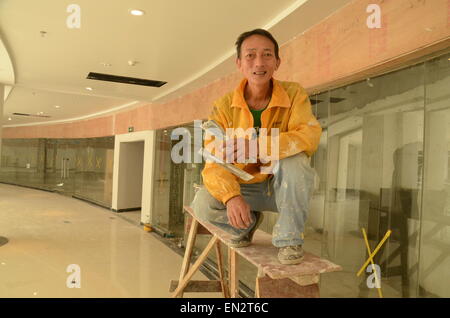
<point>47,232</point>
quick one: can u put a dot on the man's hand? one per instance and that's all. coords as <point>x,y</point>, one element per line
<point>238,150</point>
<point>238,212</point>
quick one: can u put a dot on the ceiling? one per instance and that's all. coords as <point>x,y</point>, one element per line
<point>186,43</point>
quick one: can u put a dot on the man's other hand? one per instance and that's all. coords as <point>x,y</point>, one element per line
<point>238,212</point>
<point>239,150</point>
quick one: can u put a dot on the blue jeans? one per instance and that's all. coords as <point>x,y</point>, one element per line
<point>287,192</point>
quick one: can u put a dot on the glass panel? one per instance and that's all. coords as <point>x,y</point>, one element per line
<point>23,161</point>
<point>65,166</point>
<point>83,175</point>
<point>60,164</point>
<point>434,276</point>
<point>192,171</point>
<point>375,141</point>
<point>51,178</point>
<point>168,190</point>
<point>93,167</point>
<point>314,223</point>
<point>82,167</point>
<point>9,161</point>
<point>160,215</point>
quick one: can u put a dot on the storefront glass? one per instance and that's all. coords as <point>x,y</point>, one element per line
<point>75,167</point>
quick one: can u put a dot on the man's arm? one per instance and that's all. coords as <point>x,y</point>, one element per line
<point>221,183</point>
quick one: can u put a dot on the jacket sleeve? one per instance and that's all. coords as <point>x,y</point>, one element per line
<point>303,129</point>
<point>219,182</point>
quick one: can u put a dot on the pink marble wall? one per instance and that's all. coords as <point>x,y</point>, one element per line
<point>96,127</point>
<point>339,50</point>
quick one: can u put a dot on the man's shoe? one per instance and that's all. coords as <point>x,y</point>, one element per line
<point>247,239</point>
<point>290,255</point>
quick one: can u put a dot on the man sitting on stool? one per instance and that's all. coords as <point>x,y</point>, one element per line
<point>262,102</point>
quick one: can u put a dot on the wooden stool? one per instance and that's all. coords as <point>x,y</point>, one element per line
<point>273,280</point>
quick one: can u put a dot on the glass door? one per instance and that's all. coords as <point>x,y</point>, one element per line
<point>60,165</point>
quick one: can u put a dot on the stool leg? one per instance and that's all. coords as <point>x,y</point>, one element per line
<point>232,272</point>
<point>223,283</point>
<point>188,252</point>
<point>182,284</point>
<point>257,287</point>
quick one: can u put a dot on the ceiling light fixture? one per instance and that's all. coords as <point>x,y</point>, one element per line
<point>89,88</point>
<point>57,106</point>
<point>9,118</point>
<point>136,12</point>
<point>124,79</point>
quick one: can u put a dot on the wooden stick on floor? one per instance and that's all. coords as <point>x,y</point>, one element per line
<point>223,282</point>
<point>195,267</point>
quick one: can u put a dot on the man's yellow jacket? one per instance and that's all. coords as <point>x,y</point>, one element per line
<point>289,110</point>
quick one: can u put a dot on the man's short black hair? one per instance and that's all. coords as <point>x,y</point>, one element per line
<point>247,34</point>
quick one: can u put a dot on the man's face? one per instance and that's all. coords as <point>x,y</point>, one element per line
<point>257,62</point>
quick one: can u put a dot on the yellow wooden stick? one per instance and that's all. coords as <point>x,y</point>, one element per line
<point>377,282</point>
<point>375,251</point>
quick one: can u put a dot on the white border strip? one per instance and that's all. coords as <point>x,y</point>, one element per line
<point>77,118</point>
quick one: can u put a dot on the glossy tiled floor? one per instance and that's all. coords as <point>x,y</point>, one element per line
<point>47,232</point>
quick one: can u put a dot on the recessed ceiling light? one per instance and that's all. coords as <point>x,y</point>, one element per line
<point>137,12</point>
<point>9,118</point>
<point>89,88</point>
<point>57,106</point>
<point>105,64</point>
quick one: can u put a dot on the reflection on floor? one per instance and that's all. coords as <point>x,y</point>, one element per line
<point>48,232</point>
<point>133,217</point>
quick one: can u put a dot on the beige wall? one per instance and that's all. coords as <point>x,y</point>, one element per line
<point>339,50</point>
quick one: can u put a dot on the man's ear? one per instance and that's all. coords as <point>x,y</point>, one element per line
<point>278,64</point>
<point>238,63</point>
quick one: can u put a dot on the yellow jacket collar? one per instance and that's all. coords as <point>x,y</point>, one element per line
<point>279,96</point>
